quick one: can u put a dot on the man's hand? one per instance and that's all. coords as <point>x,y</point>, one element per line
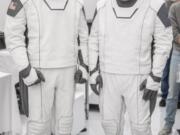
<point>96,82</point>
<point>150,88</point>
<point>34,77</point>
<point>147,92</point>
<point>81,75</point>
<point>178,39</point>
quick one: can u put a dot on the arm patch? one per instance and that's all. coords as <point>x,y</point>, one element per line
<point>14,7</point>
<point>163,15</point>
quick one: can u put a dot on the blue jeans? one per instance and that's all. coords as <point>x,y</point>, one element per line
<point>174,90</point>
<point>165,80</point>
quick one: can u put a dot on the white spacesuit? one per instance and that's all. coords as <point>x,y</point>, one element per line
<point>121,38</point>
<point>48,62</point>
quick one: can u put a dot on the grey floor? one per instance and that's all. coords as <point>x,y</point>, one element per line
<point>94,125</point>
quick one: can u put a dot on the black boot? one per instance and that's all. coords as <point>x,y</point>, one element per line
<point>178,131</point>
<point>178,105</point>
<point>162,103</point>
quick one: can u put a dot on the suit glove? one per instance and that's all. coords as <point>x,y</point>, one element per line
<point>96,82</point>
<point>150,88</point>
<point>31,76</point>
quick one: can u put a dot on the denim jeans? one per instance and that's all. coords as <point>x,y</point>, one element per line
<point>174,89</point>
<point>165,80</point>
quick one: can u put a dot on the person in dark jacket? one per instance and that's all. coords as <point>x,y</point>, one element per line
<point>165,77</point>
<point>174,76</point>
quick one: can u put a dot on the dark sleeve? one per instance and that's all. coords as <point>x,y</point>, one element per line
<point>172,17</point>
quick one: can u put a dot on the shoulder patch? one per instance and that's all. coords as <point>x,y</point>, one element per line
<point>14,7</point>
<point>163,15</point>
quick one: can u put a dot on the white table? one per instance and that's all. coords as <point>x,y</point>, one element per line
<point>9,113</point>
<point>5,102</point>
<point>7,65</point>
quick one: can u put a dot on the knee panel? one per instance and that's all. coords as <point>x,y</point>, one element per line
<point>141,129</point>
<point>38,128</point>
<point>111,127</point>
<point>65,125</point>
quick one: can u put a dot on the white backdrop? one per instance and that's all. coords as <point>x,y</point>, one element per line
<point>3,10</point>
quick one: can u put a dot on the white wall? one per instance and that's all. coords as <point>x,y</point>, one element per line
<point>90,6</point>
<point>3,10</point>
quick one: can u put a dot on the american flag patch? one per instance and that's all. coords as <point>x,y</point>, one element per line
<point>14,7</point>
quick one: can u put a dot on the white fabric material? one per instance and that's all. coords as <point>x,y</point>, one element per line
<point>32,78</point>
<point>152,85</point>
<point>124,42</point>
<point>50,45</point>
<point>5,103</point>
<point>84,72</point>
<point>10,104</point>
<point>56,92</point>
<point>83,36</point>
<point>9,114</point>
<point>92,79</point>
<point>122,38</point>
<point>57,4</point>
<point>121,93</point>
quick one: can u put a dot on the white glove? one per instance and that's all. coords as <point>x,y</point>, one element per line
<point>96,82</point>
<point>81,75</point>
<point>152,85</point>
<point>93,77</point>
<point>34,77</point>
<point>150,88</point>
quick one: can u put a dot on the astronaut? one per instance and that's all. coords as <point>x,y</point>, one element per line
<point>125,68</point>
<point>49,61</point>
